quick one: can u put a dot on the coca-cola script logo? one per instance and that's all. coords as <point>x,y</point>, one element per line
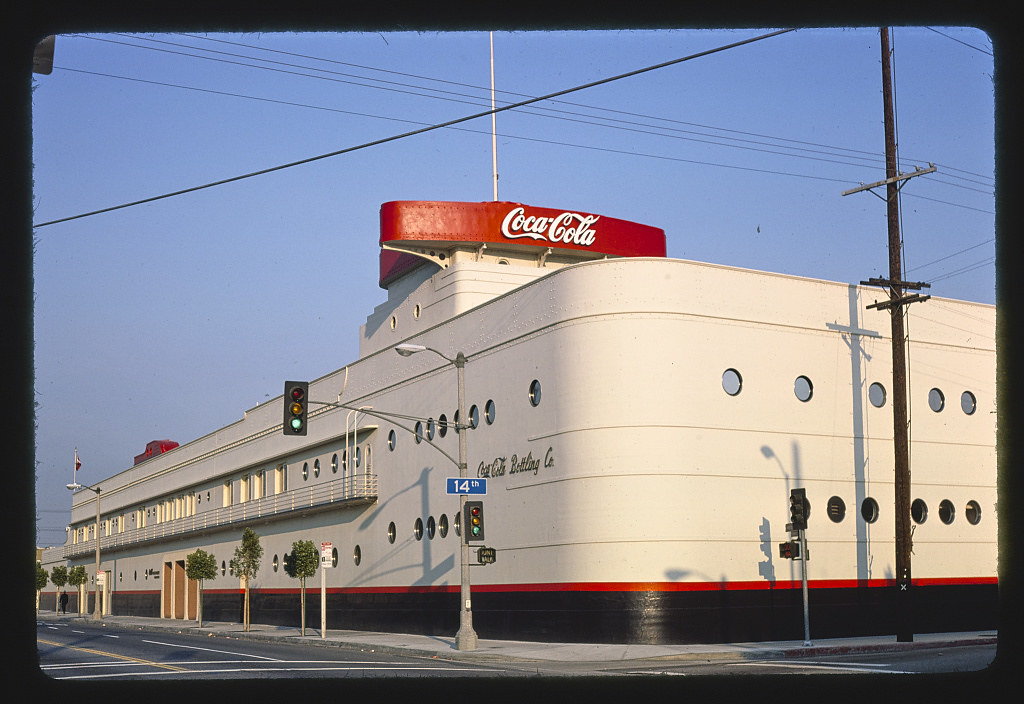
<point>570,228</point>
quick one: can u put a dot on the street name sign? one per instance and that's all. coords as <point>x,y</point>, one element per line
<point>455,485</point>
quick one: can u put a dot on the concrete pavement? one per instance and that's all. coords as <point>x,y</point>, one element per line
<point>498,650</point>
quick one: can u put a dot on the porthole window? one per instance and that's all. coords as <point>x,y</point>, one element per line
<point>357,555</point>
<point>947,512</point>
<point>391,532</point>
<point>836,509</point>
<point>458,524</point>
<point>973,513</point>
<point>417,529</point>
<point>305,471</point>
<point>394,322</point>
<point>968,403</point>
<point>869,510</point>
<point>803,388</point>
<point>534,393</point>
<point>275,563</point>
<point>732,382</point>
<point>334,557</point>
<point>223,568</point>
<point>442,525</point>
<point>489,412</point>
<point>334,463</point>
<point>430,428</point>
<point>392,440</point>
<point>358,455</point>
<point>442,425</point>
<point>416,311</point>
<point>876,395</point>
<point>936,401</point>
<point>419,432</point>
<point>316,468</point>
<point>431,527</point>
<point>919,511</point>
<point>474,417</point>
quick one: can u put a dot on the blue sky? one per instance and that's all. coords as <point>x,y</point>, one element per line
<point>171,318</point>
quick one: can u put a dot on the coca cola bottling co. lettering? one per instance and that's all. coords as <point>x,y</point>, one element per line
<point>570,228</point>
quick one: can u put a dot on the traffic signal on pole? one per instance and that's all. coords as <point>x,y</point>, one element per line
<point>474,520</point>
<point>798,509</point>
<point>296,407</point>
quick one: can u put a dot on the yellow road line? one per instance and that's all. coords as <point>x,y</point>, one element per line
<point>112,655</point>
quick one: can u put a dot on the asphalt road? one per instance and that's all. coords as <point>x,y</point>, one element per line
<point>81,651</point>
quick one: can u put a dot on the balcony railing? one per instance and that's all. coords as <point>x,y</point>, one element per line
<point>357,490</point>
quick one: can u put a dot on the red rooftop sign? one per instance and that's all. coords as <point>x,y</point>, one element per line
<point>495,222</point>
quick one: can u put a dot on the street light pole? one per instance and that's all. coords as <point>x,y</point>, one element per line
<point>96,615</point>
<point>466,638</point>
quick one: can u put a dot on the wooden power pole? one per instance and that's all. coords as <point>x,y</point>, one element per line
<point>897,299</point>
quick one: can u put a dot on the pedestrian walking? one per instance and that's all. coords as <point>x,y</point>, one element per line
<point>64,601</point>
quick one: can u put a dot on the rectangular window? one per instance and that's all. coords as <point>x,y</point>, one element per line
<point>227,493</point>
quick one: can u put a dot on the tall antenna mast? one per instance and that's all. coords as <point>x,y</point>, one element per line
<point>494,134</point>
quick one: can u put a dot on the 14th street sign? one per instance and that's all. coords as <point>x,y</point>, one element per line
<point>455,485</point>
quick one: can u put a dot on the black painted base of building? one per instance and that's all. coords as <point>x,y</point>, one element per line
<point>714,616</point>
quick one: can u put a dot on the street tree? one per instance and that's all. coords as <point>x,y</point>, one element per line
<point>59,577</point>
<point>300,563</point>
<point>246,563</point>
<point>42,577</point>
<point>76,578</point>
<point>200,565</point>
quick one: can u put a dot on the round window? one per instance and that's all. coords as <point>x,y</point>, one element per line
<point>946,511</point>
<point>391,532</point>
<point>836,509</point>
<point>973,512</point>
<point>534,393</point>
<point>936,401</point>
<point>919,511</point>
<point>732,382</point>
<point>417,529</point>
<point>392,440</point>
<point>968,403</point>
<point>869,510</point>
<point>803,388</point>
<point>489,412</point>
<point>876,395</point>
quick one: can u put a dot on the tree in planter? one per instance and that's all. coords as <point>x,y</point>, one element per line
<point>246,563</point>
<point>301,563</point>
<point>76,578</point>
<point>42,577</point>
<point>200,565</point>
<point>59,577</point>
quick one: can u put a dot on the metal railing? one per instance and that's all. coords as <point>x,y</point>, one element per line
<point>354,490</point>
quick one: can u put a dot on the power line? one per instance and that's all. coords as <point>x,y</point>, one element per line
<point>404,135</point>
<point>539,110</point>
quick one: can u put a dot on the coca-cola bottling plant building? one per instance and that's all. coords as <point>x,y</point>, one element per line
<point>640,423</point>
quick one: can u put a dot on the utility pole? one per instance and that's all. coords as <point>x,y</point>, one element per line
<point>897,299</point>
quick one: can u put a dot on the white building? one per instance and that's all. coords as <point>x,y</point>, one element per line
<point>640,422</point>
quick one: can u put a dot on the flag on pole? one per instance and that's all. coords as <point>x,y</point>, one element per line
<point>78,462</point>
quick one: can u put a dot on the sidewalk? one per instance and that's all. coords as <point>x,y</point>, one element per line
<point>498,650</point>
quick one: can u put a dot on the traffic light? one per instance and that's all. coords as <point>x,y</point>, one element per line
<point>790,550</point>
<point>798,509</point>
<point>474,520</point>
<point>295,407</point>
